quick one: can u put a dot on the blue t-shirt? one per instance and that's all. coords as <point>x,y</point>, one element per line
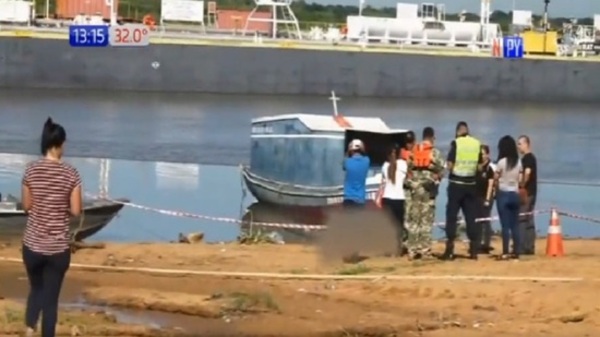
<point>357,168</point>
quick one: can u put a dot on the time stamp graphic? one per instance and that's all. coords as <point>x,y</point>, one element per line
<point>114,36</point>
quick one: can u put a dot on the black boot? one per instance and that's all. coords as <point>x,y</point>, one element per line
<point>473,250</point>
<point>449,252</point>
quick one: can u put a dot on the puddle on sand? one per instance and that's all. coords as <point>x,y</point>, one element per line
<point>151,319</point>
<point>13,286</point>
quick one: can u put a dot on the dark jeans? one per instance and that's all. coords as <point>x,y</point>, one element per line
<point>396,209</point>
<point>527,227</point>
<point>486,225</point>
<point>462,197</point>
<point>46,274</point>
<point>508,210</point>
<point>352,206</point>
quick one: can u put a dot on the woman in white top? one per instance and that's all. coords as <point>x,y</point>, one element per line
<point>392,193</point>
<point>508,177</point>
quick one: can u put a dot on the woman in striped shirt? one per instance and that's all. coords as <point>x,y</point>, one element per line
<point>51,194</point>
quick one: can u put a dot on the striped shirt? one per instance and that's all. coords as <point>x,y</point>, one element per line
<point>51,184</point>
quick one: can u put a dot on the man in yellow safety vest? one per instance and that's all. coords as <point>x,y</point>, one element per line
<point>462,164</point>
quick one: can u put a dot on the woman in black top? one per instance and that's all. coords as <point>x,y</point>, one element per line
<point>485,193</point>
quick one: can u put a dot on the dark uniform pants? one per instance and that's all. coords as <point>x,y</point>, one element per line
<point>527,227</point>
<point>486,225</point>
<point>462,197</point>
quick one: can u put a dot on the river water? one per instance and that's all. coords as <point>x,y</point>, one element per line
<point>181,151</point>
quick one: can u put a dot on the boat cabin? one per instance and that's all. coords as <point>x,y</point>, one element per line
<point>308,150</point>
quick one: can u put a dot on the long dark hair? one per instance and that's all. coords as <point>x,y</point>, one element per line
<point>410,137</point>
<point>53,135</point>
<point>392,158</point>
<point>507,148</point>
<point>485,148</point>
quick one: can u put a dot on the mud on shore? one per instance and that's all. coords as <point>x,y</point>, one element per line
<point>73,323</point>
<point>264,306</point>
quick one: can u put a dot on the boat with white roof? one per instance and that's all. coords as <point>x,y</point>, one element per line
<point>296,160</point>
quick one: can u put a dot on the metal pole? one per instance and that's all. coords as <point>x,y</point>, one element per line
<point>546,3</point>
<point>275,21</point>
<point>113,14</point>
<point>484,21</point>
<point>104,178</point>
<point>47,9</point>
<point>363,32</point>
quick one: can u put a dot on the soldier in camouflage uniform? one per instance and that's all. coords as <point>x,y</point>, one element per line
<point>425,167</point>
<point>405,152</point>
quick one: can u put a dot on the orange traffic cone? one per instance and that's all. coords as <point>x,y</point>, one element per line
<point>554,241</point>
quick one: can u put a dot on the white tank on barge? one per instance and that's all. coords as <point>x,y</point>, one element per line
<point>422,24</point>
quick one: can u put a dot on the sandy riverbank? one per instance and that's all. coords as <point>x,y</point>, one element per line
<point>263,306</point>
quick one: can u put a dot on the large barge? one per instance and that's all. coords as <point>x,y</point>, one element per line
<point>175,62</point>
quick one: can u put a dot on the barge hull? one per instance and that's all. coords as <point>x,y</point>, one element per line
<point>51,63</point>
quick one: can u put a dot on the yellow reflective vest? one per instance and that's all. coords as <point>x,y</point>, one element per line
<point>467,156</point>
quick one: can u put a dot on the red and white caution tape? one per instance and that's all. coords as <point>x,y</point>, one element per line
<point>307,227</point>
<point>579,217</point>
<point>182,214</point>
<point>494,218</point>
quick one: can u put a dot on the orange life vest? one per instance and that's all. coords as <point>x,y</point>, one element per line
<point>422,154</point>
<point>404,154</point>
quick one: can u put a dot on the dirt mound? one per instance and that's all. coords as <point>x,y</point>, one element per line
<point>216,305</point>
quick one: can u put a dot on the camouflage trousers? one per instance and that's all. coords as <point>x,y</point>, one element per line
<point>407,202</point>
<point>419,224</point>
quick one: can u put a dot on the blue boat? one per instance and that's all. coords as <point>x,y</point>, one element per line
<point>296,160</point>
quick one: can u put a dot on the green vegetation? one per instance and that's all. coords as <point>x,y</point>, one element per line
<point>309,14</point>
<point>10,316</point>
<point>255,236</point>
<point>252,302</point>
<point>358,269</point>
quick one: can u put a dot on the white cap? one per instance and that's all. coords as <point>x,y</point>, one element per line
<point>356,144</point>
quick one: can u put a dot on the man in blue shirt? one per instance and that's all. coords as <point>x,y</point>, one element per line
<point>356,166</point>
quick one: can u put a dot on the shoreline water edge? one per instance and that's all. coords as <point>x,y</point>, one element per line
<point>38,63</point>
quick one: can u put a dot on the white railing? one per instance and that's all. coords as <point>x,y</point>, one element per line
<point>424,38</point>
<point>417,31</point>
